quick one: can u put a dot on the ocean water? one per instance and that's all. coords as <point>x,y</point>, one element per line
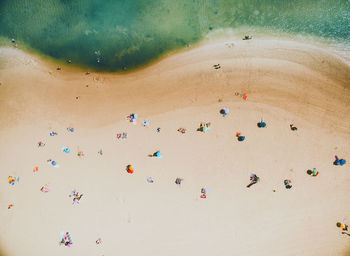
<point>112,35</point>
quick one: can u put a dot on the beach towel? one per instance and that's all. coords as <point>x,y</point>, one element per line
<point>66,150</point>
<point>54,164</point>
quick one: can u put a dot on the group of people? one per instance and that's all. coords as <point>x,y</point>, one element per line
<point>12,180</point>
<point>122,136</point>
<point>76,196</point>
<point>66,240</point>
<point>204,127</point>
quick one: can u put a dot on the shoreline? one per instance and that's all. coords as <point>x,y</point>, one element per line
<point>222,35</point>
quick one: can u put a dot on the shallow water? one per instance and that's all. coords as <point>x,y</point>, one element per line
<point>130,33</point>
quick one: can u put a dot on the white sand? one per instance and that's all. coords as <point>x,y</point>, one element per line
<point>287,82</point>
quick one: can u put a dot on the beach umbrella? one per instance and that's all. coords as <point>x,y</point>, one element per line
<point>158,154</point>
<point>262,124</point>
<point>241,138</point>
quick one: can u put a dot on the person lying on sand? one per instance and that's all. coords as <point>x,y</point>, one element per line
<point>145,123</point>
<point>132,118</point>
<point>203,127</point>
<point>247,37</point>
<point>52,133</point>
<point>292,127</point>
<point>178,181</point>
<point>41,144</point>
<point>203,193</point>
<point>182,130</point>
<point>253,180</point>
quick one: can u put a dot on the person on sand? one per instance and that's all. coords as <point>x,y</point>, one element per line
<point>204,127</point>
<point>100,152</point>
<point>247,37</point>
<point>253,180</point>
<point>41,144</point>
<point>132,118</point>
<point>292,127</point>
<point>216,66</point>
<point>80,154</point>
<point>130,169</point>
<point>182,130</point>
<point>145,123</point>
<point>178,181</point>
<point>203,193</point>
<point>53,133</point>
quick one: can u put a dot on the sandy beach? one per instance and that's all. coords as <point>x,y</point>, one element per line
<point>286,82</point>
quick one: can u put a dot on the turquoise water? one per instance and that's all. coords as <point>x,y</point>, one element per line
<point>131,33</point>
